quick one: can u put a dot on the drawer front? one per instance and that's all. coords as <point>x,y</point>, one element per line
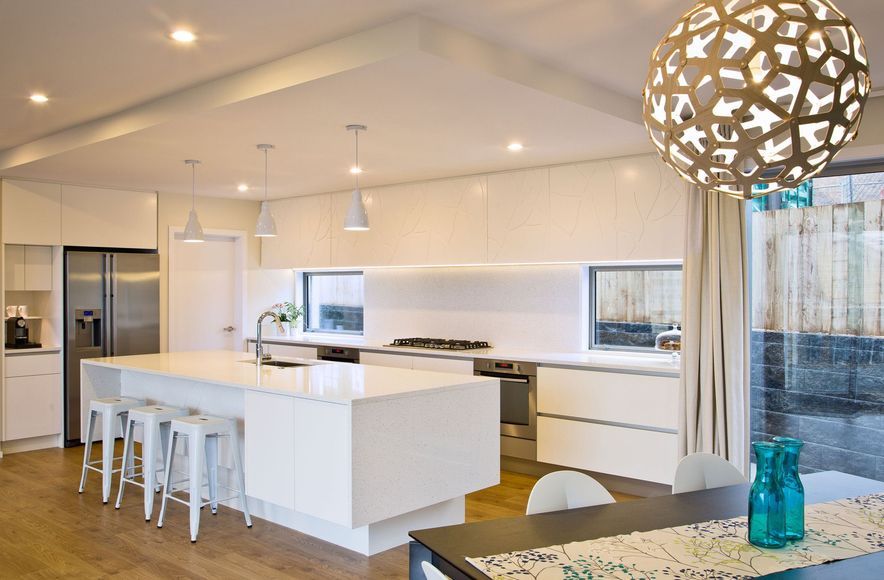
<point>443,365</point>
<point>635,453</point>
<point>615,397</point>
<point>386,360</point>
<point>24,365</point>
<point>33,407</point>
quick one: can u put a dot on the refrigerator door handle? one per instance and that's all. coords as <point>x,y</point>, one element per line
<point>106,319</point>
<point>113,305</point>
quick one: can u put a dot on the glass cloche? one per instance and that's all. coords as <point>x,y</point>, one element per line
<point>670,340</point>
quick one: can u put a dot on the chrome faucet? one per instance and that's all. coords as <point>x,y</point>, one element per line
<point>259,346</point>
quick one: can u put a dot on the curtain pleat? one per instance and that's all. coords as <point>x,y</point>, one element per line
<point>714,390</point>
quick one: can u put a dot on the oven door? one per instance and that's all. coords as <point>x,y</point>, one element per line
<point>518,405</point>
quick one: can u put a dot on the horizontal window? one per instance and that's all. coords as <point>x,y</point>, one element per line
<point>631,306</point>
<point>333,302</point>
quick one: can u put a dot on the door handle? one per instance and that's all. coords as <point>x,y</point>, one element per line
<point>228,329</point>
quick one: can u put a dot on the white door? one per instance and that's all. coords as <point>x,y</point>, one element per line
<point>205,294</point>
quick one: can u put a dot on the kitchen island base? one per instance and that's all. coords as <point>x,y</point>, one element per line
<point>359,472</point>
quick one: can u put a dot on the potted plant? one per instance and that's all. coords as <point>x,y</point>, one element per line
<point>290,315</point>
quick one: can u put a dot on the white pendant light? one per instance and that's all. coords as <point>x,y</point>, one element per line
<point>756,93</point>
<point>266,226</point>
<point>193,231</point>
<point>357,216</point>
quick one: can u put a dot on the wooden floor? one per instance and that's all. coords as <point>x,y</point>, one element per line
<point>48,530</point>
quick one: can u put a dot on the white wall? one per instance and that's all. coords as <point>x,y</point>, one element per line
<point>536,307</point>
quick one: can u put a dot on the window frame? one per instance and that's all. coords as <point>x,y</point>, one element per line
<point>305,302</point>
<point>591,282</point>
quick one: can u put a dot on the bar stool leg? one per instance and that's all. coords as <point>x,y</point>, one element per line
<point>238,468</point>
<point>212,471</point>
<point>149,465</point>
<point>128,459</point>
<point>107,455</point>
<point>196,457</point>
<point>173,439</point>
<point>90,429</point>
<point>164,438</point>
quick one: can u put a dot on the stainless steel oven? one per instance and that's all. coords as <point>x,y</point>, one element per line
<point>338,354</point>
<point>518,404</point>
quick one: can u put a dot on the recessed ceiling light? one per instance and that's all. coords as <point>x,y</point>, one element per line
<point>242,187</point>
<point>514,146</point>
<point>355,170</point>
<point>182,35</point>
<point>39,98</point>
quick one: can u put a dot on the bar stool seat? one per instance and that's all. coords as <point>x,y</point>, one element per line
<point>202,433</point>
<point>156,421</point>
<point>109,408</point>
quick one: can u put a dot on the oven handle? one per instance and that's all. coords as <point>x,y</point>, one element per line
<point>505,377</point>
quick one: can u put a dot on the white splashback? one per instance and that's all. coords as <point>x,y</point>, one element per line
<point>531,307</point>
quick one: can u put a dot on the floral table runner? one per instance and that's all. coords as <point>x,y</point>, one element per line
<point>715,549</point>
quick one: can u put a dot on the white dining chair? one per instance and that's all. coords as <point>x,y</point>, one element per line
<point>432,573</point>
<point>563,490</point>
<point>700,471</point>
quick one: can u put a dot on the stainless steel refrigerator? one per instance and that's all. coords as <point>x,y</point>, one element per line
<point>112,308</point>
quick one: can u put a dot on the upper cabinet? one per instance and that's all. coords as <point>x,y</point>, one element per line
<point>31,213</point>
<point>28,267</point>
<point>518,216</point>
<point>49,214</point>
<point>629,208</point>
<point>427,223</point>
<point>304,240</point>
<point>97,217</point>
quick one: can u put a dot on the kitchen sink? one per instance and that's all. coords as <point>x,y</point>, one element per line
<point>277,363</point>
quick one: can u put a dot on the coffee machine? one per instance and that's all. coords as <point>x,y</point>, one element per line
<point>18,333</point>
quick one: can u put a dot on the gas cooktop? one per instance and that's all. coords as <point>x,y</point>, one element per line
<point>440,343</point>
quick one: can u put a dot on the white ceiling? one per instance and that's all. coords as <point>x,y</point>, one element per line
<point>428,115</point>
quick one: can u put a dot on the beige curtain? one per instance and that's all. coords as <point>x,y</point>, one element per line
<point>714,394</point>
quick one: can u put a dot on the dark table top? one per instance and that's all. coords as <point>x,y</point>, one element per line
<point>452,544</point>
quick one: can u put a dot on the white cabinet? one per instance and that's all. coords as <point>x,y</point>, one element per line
<point>418,363</point>
<point>304,239</point>
<point>33,396</point>
<point>617,423</point>
<point>644,400</point>
<point>425,223</point>
<point>28,267</point>
<point>443,365</point>
<point>288,350</point>
<point>634,453</point>
<point>269,448</point>
<point>518,216</point>
<point>386,360</point>
<point>112,218</point>
<point>31,213</point>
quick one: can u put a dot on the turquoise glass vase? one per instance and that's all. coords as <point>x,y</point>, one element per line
<point>793,489</point>
<point>767,501</point>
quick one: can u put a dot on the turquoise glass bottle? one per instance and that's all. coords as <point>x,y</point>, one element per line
<point>792,487</point>
<point>767,502</point>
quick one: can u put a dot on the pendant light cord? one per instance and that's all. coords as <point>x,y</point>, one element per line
<point>358,169</point>
<point>193,186</point>
<point>265,174</point>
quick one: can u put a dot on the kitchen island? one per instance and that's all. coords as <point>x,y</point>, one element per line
<point>356,455</point>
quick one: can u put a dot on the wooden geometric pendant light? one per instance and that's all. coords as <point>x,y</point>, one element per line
<point>756,92</point>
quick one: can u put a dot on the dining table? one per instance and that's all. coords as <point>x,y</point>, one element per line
<point>448,547</point>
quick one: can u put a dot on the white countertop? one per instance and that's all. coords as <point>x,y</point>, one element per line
<point>41,350</point>
<point>620,361</point>
<point>327,381</point>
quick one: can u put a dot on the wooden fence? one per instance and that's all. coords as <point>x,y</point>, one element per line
<point>638,296</point>
<point>819,269</point>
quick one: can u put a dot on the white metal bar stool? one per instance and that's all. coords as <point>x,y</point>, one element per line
<point>203,432</point>
<point>156,421</point>
<point>109,408</point>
